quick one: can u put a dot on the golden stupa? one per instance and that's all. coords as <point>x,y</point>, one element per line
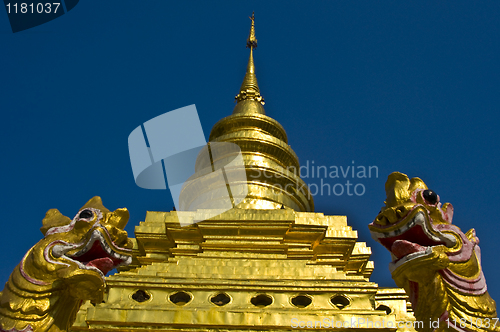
<point>268,264</point>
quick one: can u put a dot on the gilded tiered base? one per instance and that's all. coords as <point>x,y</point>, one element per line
<point>247,270</point>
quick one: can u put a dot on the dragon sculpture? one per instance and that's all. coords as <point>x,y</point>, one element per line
<point>67,267</point>
<point>434,261</point>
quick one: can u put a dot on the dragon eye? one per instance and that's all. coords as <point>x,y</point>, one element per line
<point>430,196</point>
<point>86,214</point>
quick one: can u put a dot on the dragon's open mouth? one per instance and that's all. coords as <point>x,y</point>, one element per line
<point>99,253</point>
<point>414,238</point>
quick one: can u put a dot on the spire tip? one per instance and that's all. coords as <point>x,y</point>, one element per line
<point>249,88</point>
<point>252,40</point>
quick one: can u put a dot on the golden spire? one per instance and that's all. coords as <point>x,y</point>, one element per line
<point>249,88</point>
<point>272,167</point>
<point>252,40</point>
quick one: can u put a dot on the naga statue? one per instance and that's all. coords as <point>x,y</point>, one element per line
<point>434,261</point>
<point>66,268</point>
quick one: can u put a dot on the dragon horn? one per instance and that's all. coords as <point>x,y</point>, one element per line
<point>119,218</point>
<point>53,218</point>
<point>96,203</point>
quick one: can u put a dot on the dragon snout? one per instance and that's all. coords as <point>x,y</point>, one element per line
<point>392,215</point>
<point>118,236</point>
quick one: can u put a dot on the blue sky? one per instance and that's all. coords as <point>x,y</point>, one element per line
<point>409,86</point>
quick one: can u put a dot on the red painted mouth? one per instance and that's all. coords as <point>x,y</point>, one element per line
<point>413,240</point>
<point>99,254</point>
<point>415,235</point>
<point>97,257</point>
<point>401,248</point>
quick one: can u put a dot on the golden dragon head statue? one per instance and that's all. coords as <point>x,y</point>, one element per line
<point>438,265</point>
<point>65,268</point>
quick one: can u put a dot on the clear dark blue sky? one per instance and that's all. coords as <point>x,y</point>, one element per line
<point>409,86</point>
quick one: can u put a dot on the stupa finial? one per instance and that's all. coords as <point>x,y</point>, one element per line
<point>249,88</point>
<point>252,40</point>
